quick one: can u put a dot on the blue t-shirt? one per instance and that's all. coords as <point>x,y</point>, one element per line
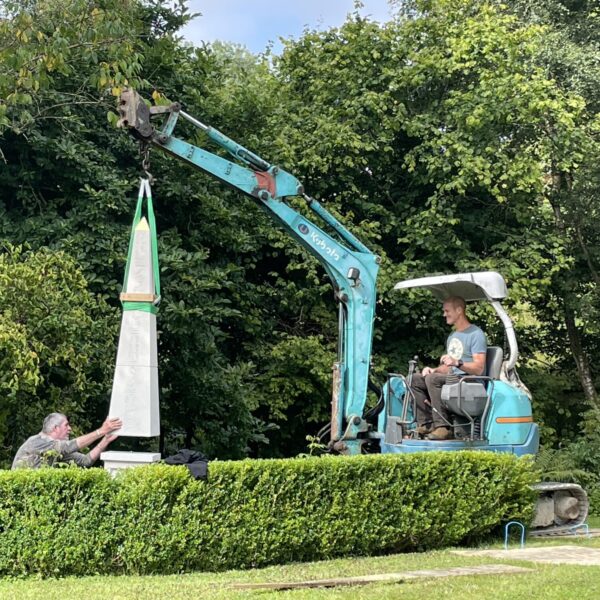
<point>461,345</point>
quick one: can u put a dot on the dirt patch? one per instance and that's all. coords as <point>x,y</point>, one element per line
<point>565,555</point>
<point>384,577</point>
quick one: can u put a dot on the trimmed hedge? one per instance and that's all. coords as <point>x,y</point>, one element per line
<point>157,519</point>
<point>593,493</point>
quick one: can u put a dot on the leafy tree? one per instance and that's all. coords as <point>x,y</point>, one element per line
<point>44,42</point>
<point>434,137</point>
<point>571,55</point>
<point>430,134</point>
<point>54,349</point>
<point>84,209</point>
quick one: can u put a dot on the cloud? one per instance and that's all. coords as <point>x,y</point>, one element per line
<point>255,24</point>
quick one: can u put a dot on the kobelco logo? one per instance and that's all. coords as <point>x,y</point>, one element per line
<point>303,228</point>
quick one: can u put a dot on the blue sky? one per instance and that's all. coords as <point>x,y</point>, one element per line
<point>255,23</point>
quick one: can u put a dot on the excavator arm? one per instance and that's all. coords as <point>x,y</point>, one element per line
<point>351,266</point>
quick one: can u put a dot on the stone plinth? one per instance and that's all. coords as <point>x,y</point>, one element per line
<point>115,461</point>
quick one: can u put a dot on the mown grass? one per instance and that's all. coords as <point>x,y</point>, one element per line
<point>547,582</point>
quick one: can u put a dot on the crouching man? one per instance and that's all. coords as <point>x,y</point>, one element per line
<point>52,445</point>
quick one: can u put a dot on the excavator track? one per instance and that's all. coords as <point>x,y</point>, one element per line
<point>560,509</point>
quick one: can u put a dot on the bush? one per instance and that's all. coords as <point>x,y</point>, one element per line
<point>157,519</point>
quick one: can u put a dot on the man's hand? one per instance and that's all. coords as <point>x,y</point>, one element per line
<point>426,371</point>
<point>449,361</point>
<point>110,425</point>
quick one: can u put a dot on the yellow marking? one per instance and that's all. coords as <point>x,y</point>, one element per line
<point>137,297</point>
<point>142,225</point>
<point>514,420</point>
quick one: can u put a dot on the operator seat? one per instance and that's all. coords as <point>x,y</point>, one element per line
<point>493,362</point>
<point>470,396</point>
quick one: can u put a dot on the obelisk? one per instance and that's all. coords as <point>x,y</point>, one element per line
<point>135,386</point>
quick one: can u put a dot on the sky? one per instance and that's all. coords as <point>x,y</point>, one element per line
<point>255,23</point>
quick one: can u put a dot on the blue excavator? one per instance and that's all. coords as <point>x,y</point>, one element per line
<point>491,412</point>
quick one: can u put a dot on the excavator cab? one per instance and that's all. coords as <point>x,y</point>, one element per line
<point>489,412</point>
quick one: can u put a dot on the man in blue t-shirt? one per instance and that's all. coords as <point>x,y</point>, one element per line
<point>466,349</point>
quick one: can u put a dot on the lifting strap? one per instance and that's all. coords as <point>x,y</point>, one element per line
<point>148,306</point>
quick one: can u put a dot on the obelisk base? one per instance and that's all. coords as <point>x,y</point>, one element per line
<point>115,461</point>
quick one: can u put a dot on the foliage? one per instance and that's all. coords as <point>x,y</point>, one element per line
<point>297,379</point>
<point>54,351</point>
<point>571,56</point>
<point>251,513</point>
<point>435,138</point>
<point>84,209</point>
<point>556,404</point>
<point>44,42</point>
<point>414,133</point>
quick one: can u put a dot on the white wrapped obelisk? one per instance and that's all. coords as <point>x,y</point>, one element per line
<point>135,393</point>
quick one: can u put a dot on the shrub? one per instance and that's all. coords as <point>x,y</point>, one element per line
<point>157,519</point>
<point>54,521</point>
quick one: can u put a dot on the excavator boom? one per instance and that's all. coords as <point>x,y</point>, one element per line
<point>351,266</point>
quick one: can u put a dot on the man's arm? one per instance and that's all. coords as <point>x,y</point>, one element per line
<point>101,446</point>
<point>476,367</point>
<point>441,369</point>
<point>87,460</point>
<point>110,425</point>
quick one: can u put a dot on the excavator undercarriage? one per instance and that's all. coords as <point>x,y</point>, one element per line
<point>561,508</point>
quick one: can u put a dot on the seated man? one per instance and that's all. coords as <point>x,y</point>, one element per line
<point>52,444</point>
<point>466,349</point>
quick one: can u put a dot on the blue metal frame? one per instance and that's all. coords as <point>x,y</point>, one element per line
<point>520,438</point>
<point>351,266</point>
<point>507,529</point>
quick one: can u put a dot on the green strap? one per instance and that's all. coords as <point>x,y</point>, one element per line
<point>143,306</point>
<point>154,243</point>
<point>136,219</point>
<point>144,191</point>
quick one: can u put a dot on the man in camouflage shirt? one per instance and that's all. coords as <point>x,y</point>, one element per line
<point>52,445</point>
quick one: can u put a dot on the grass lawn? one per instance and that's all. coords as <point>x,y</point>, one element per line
<point>547,582</point>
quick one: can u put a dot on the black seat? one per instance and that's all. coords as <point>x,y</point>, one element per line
<point>493,362</point>
<point>470,396</point>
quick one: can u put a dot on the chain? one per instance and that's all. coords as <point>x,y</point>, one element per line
<point>145,152</point>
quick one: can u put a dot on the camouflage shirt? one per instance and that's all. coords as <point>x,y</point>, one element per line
<point>42,450</point>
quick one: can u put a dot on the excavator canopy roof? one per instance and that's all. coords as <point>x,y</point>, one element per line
<point>484,285</point>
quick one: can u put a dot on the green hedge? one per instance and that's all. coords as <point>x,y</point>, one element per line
<point>593,493</point>
<point>250,513</point>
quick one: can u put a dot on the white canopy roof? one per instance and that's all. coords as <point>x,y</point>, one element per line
<point>484,285</point>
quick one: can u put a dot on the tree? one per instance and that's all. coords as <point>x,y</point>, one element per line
<point>430,134</point>
<point>43,42</point>
<point>54,349</point>
<point>84,207</point>
<point>571,55</point>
